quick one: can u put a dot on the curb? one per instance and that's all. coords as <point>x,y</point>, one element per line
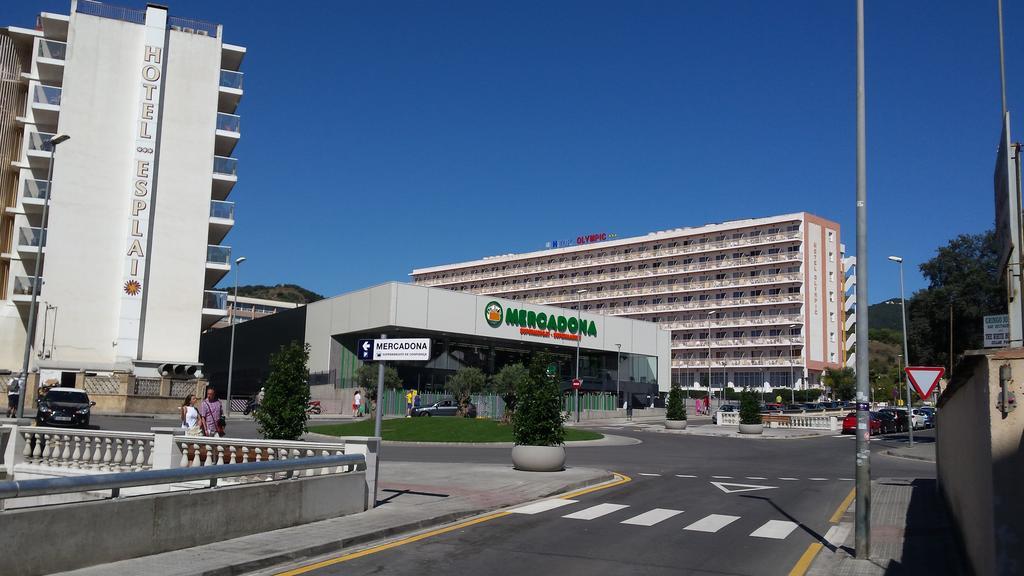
<point>313,551</point>
<point>895,454</point>
<point>572,444</point>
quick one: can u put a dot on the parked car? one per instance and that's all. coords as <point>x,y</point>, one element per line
<point>813,407</point>
<point>889,423</point>
<point>64,407</point>
<point>793,408</point>
<point>850,423</point>
<point>899,418</point>
<point>829,406</point>
<point>930,413</point>
<point>772,407</point>
<point>726,408</point>
<point>920,418</point>
<point>440,408</point>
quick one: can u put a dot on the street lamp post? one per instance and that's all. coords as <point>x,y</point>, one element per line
<point>231,351</point>
<point>906,354</point>
<point>30,333</point>
<point>711,314</point>
<point>792,378</point>
<point>579,338</point>
<point>618,369</point>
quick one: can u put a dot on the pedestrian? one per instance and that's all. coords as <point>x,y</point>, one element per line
<point>357,404</point>
<point>408,403</point>
<point>212,414</point>
<point>415,401</point>
<point>13,393</point>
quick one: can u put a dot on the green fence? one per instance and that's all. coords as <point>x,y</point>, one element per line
<point>590,401</point>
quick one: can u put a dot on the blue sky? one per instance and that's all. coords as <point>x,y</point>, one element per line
<point>381,136</point>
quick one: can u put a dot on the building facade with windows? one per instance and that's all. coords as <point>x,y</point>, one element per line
<point>747,302</point>
<point>133,244</point>
<point>249,308</point>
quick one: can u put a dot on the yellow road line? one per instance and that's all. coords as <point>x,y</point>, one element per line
<point>805,561</point>
<point>843,506</point>
<point>353,555</point>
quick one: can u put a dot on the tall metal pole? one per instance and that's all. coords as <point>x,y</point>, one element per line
<point>579,338</point>
<point>30,333</point>
<point>906,357</point>
<point>710,391</point>
<point>378,419</point>
<point>862,532</point>
<point>231,351</point>
<point>1002,64</point>
<point>792,377</point>
<point>618,369</point>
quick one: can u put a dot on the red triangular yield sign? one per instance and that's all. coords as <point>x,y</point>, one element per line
<point>924,378</point>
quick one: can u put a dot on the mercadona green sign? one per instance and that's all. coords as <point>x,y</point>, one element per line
<point>495,316</point>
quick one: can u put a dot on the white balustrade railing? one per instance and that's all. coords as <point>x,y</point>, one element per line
<point>676,288</point>
<point>818,421</point>
<point>209,451</point>
<point>88,450</point>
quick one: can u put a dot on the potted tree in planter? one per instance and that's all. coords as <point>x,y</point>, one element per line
<point>750,413</point>
<point>537,422</point>
<point>675,412</point>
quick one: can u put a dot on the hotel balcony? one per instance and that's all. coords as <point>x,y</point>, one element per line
<point>682,287</point>
<point>222,218</point>
<point>225,175</point>
<point>588,260</point>
<point>38,150</point>
<point>736,322</point>
<point>723,363</point>
<point>229,93</point>
<point>45,104</point>
<point>22,293</point>
<point>29,241</point>
<point>215,306</point>
<point>709,304</point>
<point>50,56</point>
<point>228,132</point>
<point>33,195</point>
<point>763,341</point>
<point>218,263</point>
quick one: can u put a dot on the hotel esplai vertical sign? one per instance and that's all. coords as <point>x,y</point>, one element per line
<point>151,69</point>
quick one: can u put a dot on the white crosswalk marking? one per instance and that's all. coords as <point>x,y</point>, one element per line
<point>756,478</point>
<point>712,523</point>
<point>685,476</point>
<point>595,511</point>
<point>775,529</point>
<point>722,477</point>
<point>818,479</point>
<point>649,474</point>
<point>652,517</point>
<point>544,506</point>
<point>837,534</point>
<point>788,478</point>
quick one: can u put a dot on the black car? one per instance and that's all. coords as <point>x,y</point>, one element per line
<point>64,407</point>
<point>889,422</point>
<point>899,418</point>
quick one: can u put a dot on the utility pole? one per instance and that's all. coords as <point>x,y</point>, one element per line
<point>862,531</point>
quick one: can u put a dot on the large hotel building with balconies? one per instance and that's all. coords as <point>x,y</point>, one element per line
<point>761,300</point>
<point>133,244</point>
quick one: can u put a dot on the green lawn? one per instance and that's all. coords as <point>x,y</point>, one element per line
<point>441,429</point>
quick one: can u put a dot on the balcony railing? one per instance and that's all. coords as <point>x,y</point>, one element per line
<point>719,363</point>
<point>42,94</point>
<point>34,189</point>
<point>23,285</point>
<point>220,209</point>
<point>39,141</point>
<point>745,341</point>
<point>224,165</point>
<point>543,267</point>
<point>31,236</point>
<point>215,299</point>
<point>218,254</point>
<point>52,49</point>
<point>231,79</point>
<point>709,304</point>
<point>229,122</point>
<point>666,289</point>
<point>736,322</point>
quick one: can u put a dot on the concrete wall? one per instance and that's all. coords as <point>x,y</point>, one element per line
<point>144,525</point>
<point>981,463</point>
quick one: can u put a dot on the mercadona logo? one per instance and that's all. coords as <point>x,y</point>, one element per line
<point>493,314</point>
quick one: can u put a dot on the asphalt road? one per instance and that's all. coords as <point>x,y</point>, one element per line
<point>239,426</point>
<point>670,518</point>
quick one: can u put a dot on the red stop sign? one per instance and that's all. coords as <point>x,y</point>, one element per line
<point>577,383</point>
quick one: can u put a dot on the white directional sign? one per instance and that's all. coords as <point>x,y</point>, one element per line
<point>997,331</point>
<point>394,349</point>
<point>730,488</point>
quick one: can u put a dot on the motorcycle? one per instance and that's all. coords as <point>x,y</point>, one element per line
<point>251,407</point>
<point>313,407</point>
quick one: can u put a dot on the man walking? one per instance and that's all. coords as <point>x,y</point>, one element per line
<point>212,414</point>
<point>13,392</point>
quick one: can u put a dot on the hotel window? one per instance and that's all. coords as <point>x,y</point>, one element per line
<point>737,334</point>
<point>775,332</point>
<point>720,296</point>
<point>793,228</point>
<point>656,301</point>
<point>756,333</point>
<point>793,249</point>
<point>756,293</point>
<point>737,294</point>
<point>774,250</point>
<point>719,276</point>
<point>704,259</point>
<point>775,291</point>
<point>793,290</point>
<point>720,257</point>
<point>773,230</point>
<point>688,261</point>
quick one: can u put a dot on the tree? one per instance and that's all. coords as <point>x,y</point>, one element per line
<point>676,409</point>
<point>843,383</point>
<point>750,408</point>
<point>366,378</point>
<point>964,275</point>
<point>463,384</point>
<point>282,416</point>
<point>538,418</point>
<point>506,382</point>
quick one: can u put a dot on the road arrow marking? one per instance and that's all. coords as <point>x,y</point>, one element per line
<point>741,487</point>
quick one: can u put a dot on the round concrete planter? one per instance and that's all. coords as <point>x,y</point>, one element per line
<point>751,428</point>
<point>675,424</point>
<point>538,458</point>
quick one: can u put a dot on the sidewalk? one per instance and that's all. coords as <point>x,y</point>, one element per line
<point>414,496</point>
<point>910,534</point>
<point>919,451</point>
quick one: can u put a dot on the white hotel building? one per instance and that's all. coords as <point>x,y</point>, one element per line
<point>764,299</point>
<point>134,239</point>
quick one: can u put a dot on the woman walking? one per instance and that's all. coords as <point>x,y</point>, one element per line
<point>190,424</point>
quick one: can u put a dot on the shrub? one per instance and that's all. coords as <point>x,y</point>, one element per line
<point>282,416</point>
<point>750,408</point>
<point>538,417</point>
<point>506,382</point>
<point>676,409</point>
<point>366,378</point>
<point>463,384</point>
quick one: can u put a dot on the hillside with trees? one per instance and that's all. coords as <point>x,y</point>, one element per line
<point>283,292</point>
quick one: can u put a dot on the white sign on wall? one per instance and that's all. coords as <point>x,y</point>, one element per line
<point>997,331</point>
<point>393,349</point>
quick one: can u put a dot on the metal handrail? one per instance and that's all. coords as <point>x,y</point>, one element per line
<point>118,480</point>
